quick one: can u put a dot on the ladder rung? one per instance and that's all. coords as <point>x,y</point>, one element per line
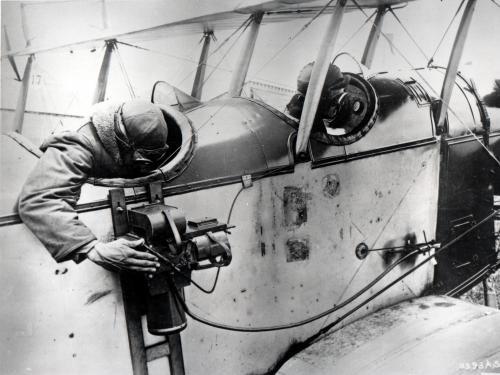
<point>157,351</point>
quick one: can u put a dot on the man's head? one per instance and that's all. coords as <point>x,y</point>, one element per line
<point>142,134</point>
<point>334,81</point>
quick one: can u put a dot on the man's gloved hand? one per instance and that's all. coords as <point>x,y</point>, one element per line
<point>119,255</point>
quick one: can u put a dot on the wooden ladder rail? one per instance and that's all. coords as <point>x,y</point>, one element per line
<point>134,304</point>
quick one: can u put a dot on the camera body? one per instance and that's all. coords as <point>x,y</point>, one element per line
<point>182,246</point>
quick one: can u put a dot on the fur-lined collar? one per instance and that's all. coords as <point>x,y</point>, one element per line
<point>103,118</point>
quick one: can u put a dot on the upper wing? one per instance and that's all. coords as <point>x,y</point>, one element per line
<point>275,11</point>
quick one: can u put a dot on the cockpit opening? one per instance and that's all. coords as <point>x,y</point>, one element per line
<point>347,109</point>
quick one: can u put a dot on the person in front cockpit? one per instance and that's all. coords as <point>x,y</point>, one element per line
<point>119,140</point>
<point>334,99</point>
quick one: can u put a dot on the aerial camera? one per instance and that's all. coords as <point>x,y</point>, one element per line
<point>181,247</point>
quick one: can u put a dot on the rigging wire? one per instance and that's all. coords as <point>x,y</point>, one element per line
<point>325,329</point>
<point>490,153</point>
<point>227,52</point>
<point>410,271</point>
<point>165,54</point>
<point>405,195</point>
<point>431,60</point>
<point>290,39</point>
<point>471,280</point>
<point>124,72</point>
<point>409,34</point>
<point>245,24</point>
<point>357,31</point>
<point>494,2</point>
<point>297,348</point>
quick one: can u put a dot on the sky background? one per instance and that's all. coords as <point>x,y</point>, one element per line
<point>64,82</point>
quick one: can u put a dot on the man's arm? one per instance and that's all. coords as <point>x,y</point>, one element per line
<point>47,206</point>
<point>49,196</point>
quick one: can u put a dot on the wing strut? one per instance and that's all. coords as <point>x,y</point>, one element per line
<point>318,76</point>
<point>23,96</point>
<point>11,58</point>
<point>102,80</point>
<point>202,66</point>
<point>371,43</point>
<point>240,73</point>
<point>455,56</point>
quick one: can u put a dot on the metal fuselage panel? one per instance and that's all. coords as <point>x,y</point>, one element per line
<point>293,249</point>
<point>236,136</point>
<point>59,318</point>
<point>293,252</point>
<point>293,245</point>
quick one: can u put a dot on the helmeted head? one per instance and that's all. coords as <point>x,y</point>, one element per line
<point>142,134</point>
<point>334,80</point>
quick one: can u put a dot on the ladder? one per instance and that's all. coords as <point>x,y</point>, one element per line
<point>134,303</point>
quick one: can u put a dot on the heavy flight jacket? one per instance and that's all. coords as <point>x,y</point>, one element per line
<point>49,196</point>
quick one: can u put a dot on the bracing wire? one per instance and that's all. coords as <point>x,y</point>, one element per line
<point>158,52</point>
<point>490,153</point>
<point>431,60</point>
<point>383,230</point>
<point>294,350</point>
<point>293,37</point>
<point>124,73</point>
<point>244,24</point>
<point>227,52</point>
<point>411,270</point>
<point>409,35</point>
<point>215,67</point>
<point>169,55</point>
<point>357,31</point>
<point>494,2</point>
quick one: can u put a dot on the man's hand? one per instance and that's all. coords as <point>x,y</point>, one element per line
<point>120,255</point>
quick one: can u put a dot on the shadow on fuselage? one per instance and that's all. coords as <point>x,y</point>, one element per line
<point>390,257</point>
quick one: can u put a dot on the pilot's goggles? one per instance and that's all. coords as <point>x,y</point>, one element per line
<point>141,155</point>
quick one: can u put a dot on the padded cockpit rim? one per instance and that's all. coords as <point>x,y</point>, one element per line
<point>168,171</point>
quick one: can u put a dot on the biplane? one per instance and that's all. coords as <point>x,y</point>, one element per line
<point>339,252</point>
